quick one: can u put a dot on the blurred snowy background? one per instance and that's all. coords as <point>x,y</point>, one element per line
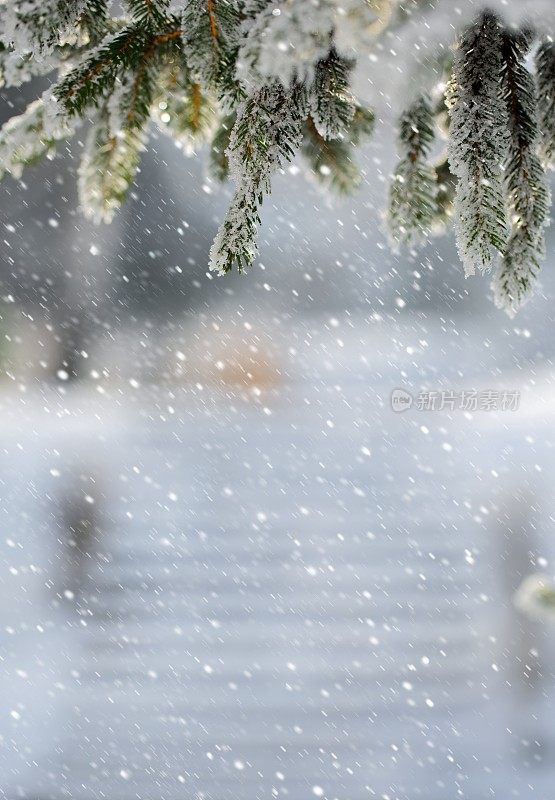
<point>228,569</point>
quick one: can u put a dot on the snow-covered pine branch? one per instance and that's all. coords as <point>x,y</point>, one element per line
<point>210,44</point>
<point>545,78</point>
<point>332,106</point>
<point>148,11</point>
<point>284,41</point>
<point>331,162</point>
<point>258,80</point>
<point>108,166</point>
<point>445,197</point>
<point>527,192</point>
<point>478,144</point>
<point>413,191</point>
<point>27,138</point>
<point>16,69</point>
<point>95,76</point>
<point>186,111</point>
<point>218,164</point>
<point>37,26</point>
<point>266,135</point>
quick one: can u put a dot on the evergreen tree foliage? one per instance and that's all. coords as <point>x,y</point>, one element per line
<point>413,192</point>
<point>218,163</point>
<point>108,166</point>
<point>500,141</point>
<point>259,81</point>
<point>25,139</point>
<point>331,162</point>
<point>187,113</point>
<point>478,144</point>
<point>332,106</point>
<point>445,197</point>
<point>210,44</point>
<point>37,26</point>
<point>16,69</point>
<point>283,42</point>
<point>545,76</point>
<point>266,135</point>
<point>526,190</point>
<point>285,39</point>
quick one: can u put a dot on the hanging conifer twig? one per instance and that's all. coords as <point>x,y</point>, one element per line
<point>413,192</point>
<point>478,144</point>
<point>545,77</point>
<point>527,193</point>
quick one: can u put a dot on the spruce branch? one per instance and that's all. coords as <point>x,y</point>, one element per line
<point>130,102</point>
<point>528,196</point>
<point>283,42</point>
<point>112,152</point>
<point>413,192</point>
<point>218,164</point>
<point>285,39</point>
<point>545,78</point>
<point>94,78</point>
<point>94,20</point>
<point>265,136</point>
<point>210,44</point>
<point>148,12</point>
<point>478,144</point>
<point>331,161</point>
<point>37,26</point>
<point>332,106</point>
<point>17,68</point>
<point>362,125</point>
<point>25,139</point>
<point>185,112</point>
<point>445,197</point>
<point>108,166</point>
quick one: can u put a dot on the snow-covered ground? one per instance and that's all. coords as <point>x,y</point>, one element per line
<point>291,591</point>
